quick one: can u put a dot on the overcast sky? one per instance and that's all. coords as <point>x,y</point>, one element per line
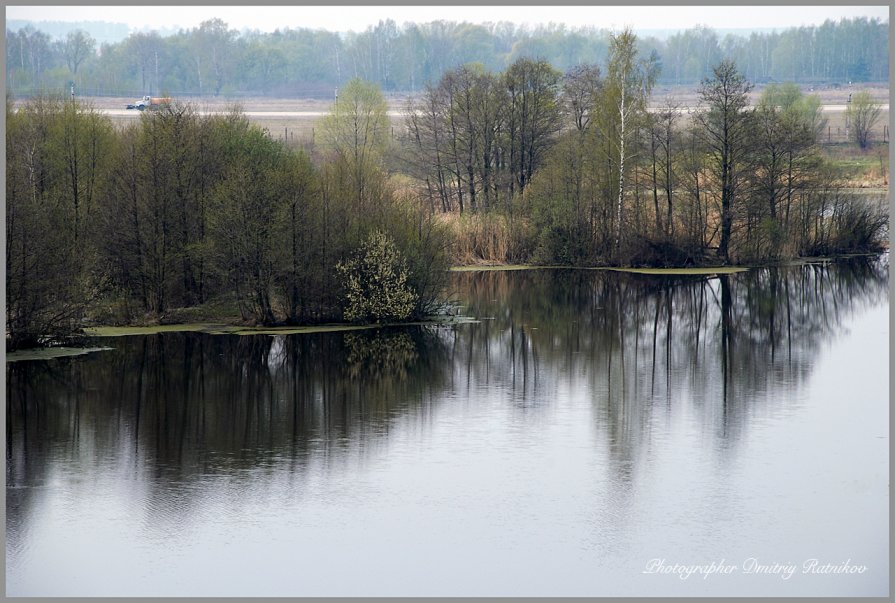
<point>357,18</point>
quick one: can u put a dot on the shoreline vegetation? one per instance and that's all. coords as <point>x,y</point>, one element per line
<point>94,332</point>
<point>187,218</point>
<point>104,332</point>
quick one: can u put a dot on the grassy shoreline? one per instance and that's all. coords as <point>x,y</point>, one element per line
<point>217,328</point>
<point>657,271</point>
<point>671,271</point>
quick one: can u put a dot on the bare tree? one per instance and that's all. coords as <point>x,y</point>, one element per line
<point>724,123</point>
<point>581,86</point>
<point>533,116</point>
<point>863,113</point>
<point>662,144</point>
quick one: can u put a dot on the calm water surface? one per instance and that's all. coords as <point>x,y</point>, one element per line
<point>590,424</point>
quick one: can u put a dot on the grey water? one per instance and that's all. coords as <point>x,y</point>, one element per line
<point>593,433</point>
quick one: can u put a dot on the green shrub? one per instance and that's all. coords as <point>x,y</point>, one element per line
<point>375,282</point>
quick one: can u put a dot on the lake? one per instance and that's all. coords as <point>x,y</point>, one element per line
<point>593,433</point>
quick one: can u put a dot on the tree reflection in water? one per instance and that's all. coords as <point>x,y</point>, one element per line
<point>645,345</point>
<point>639,349</point>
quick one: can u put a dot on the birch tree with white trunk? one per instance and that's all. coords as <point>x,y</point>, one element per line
<point>628,84</point>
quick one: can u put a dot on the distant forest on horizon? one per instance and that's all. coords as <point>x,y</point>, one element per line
<point>217,60</point>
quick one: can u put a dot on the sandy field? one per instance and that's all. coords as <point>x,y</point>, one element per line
<point>295,119</point>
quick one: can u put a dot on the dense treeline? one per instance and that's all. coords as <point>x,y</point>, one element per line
<point>101,31</point>
<point>182,209</point>
<point>213,59</point>
<point>573,169</point>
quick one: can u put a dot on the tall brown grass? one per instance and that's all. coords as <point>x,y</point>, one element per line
<point>489,238</point>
